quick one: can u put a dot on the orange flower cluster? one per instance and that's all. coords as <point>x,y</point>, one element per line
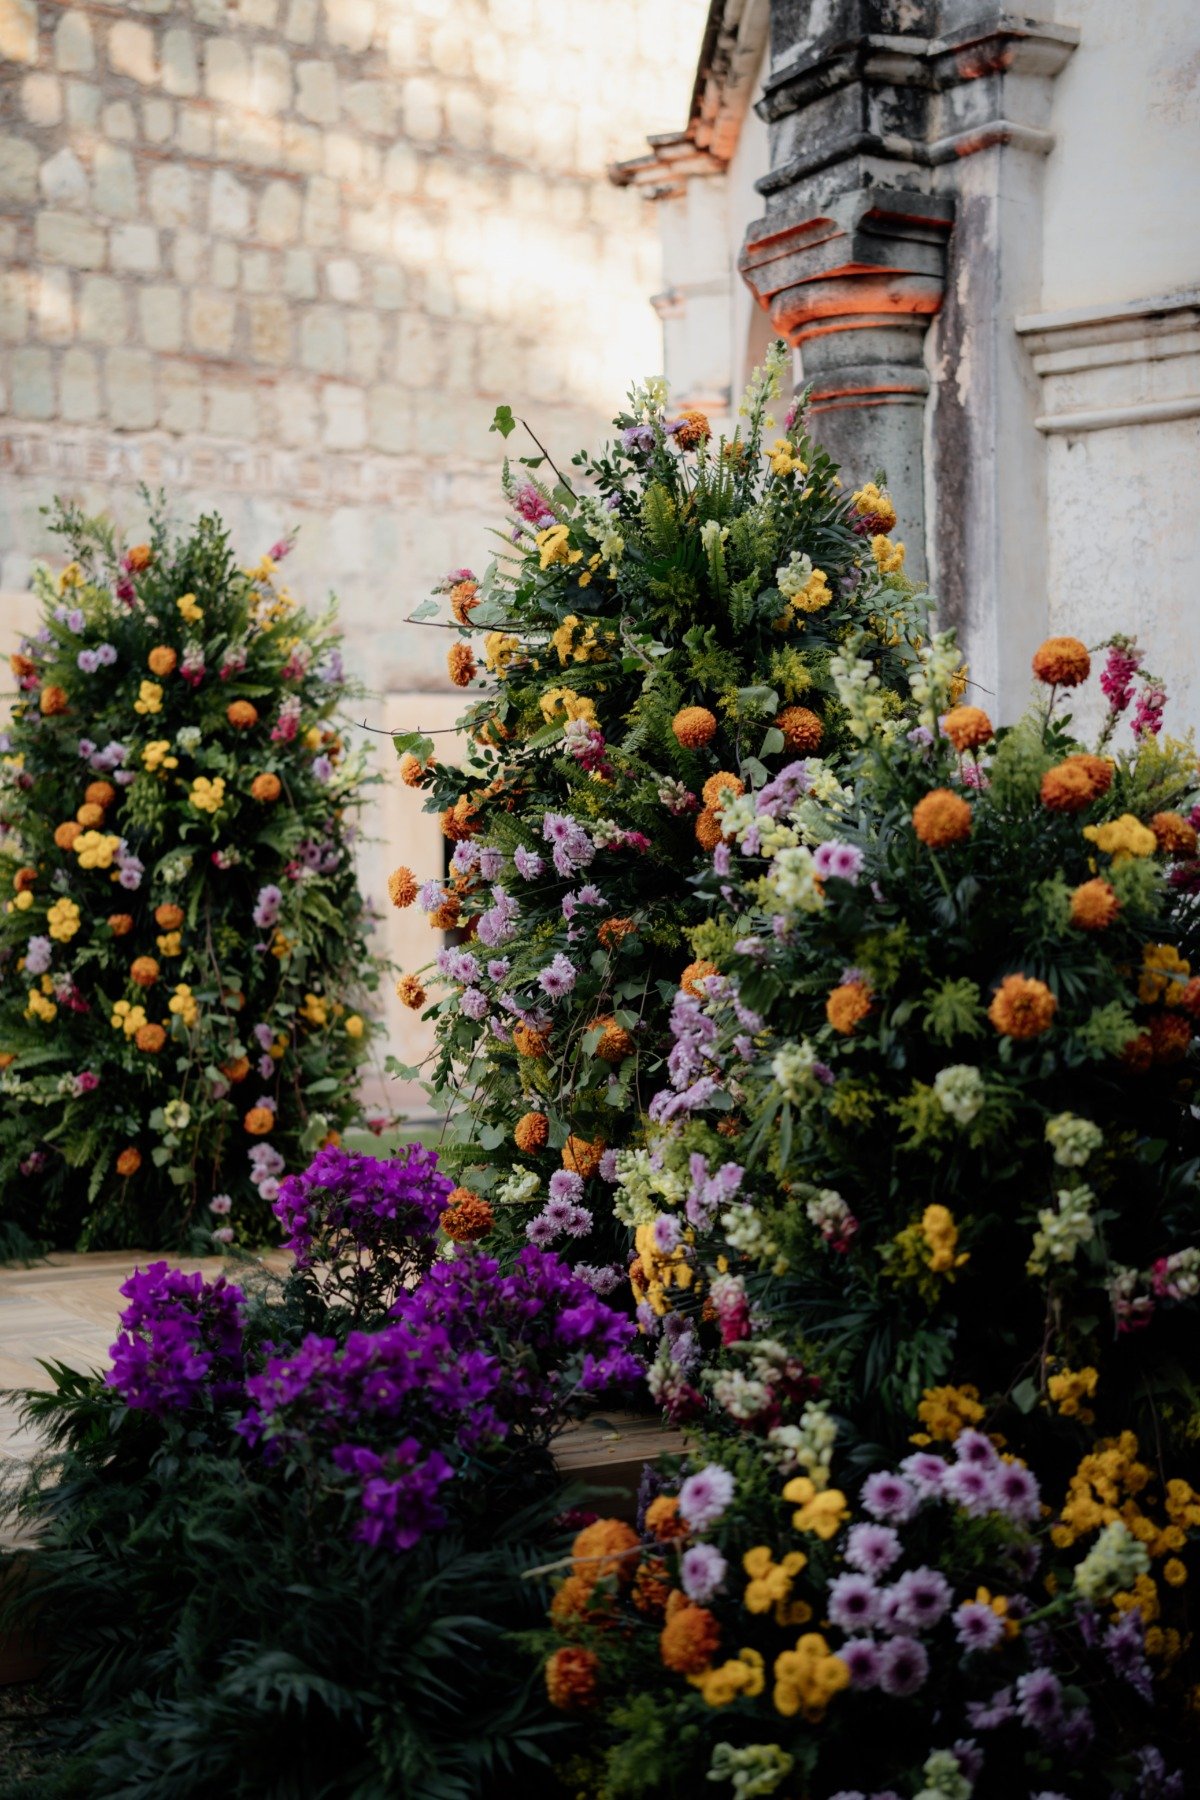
<point>848,1005</point>
<point>582,1155</point>
<point>968,728</point>
<point>129,1162</point>
<point>690,1637</point>
<point>692,430</point>
<point>266,788</point>
<point>402,887</point>
<point>530,1042</point>
<point>572,1679</point>
<point>1022,1007</point>
<point>162,660</point>
<point>143,971</point>
<point>242,714</point>
<point>694,974</point>
<point>413,772</point>
<point>615,931</point>
<point>1094,905</point>
<point>941,817</point>
<point>1062,662</point>
<point>802,729</point>
<point>464,598</point>
<point>719,786</point>
<point>1174,835</point>
<point>150,1038</point>
<point>461,665</point>
<point>1073,784</point>
<point>615,1042</point>
<point>410,992</point>
<point>531,1131</point>
<point>468,1216</point>
<point>694,726</point>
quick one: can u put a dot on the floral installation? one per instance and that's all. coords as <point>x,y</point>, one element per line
<point>184,971</point>
<point>918,1262</point>
<point>660,630</point>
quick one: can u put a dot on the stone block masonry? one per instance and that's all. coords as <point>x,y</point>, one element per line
<point>284,257</point>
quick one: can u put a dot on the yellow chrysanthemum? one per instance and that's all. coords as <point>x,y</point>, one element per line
<point>149,698</point>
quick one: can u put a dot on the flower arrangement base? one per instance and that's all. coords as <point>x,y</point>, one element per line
<point>610,1451</point>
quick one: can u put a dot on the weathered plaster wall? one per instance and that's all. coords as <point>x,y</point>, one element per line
<point>284,257</point>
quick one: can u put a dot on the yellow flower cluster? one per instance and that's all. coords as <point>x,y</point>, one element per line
<point>1068,1388</point>
<point>170,943</point>
<point>208,796</point>
<point>770,1585</point>
<point>184,1004</point>
<point>192,614</point>
<point>22,901</point>
<point>554,546</point>
<point>149,698</point>
<point>742,1677</point>
<point>1122,838</point>
<point>657,1270</point>
<point>1105,1487</point>
<point>807,1678</point>
<point>563,699</point>
<point>578,642</point>
<point>127,1018</point>
<point>945,1411</point>
<point>39,1007</point>
<point>941,1234</point>
<point>870,502</point>
<point>63,920</point>
<point>823,1512</point>
<point>96,849</point>
<point>157,755</point>
<point>1164,975</point>
<point>499,648</point>
<point>889,557</point>
<point>784,460</point>
<point>814,595</point>
<point>354,1026</point>
<point>314,1010</point>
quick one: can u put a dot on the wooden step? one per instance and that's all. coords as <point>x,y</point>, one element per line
<point>610,1449</point>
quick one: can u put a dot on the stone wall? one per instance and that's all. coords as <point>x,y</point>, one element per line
<point>284,257</point>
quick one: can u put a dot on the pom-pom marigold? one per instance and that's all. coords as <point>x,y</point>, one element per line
<point>1062,662</point>
<point>847,1005</point>
<point>664,1520</point>
<point>1094,905</point>
<point>694,974</point>
<point>1022,1007</point>
<point>1067,788</point>
<point>237,1069</point>
<point>689,1639</point>
<point>410,992</point>
<point>89,815</point>
<point>1173,834</point>
<point>461,665</point>
<point>168,916</point>
<point>402,887</point>
<point>605,1547</point>
<point>100,793</point>
<point>266,788</point>
<point>412,771</point>
<point>446,916</point>
<point>242,714</point>
<point>528,1041</point>
<point>120,924</point>
<point>468,1216</point>
<point>694,726</point>
<point>615,931</point>
<point>129,1162</point>
<point>692,430</point>
<point>802,729</point>
<point>531,1131</point>
<point>464,598</point>
<point>459,821</point>
<point>615,1042</point>
<point>143,971</point>
<point>942,817</point>
<point>150,1038</point>
<point>139,557</point>
<point>24,879</point>
<point>708,831</point>
<point>162,660</point>
<point>572,1679</point>
<point>54,700</point>
<point>66,833</point>
<point>582,1155</point>
<point>259,1121</point>
<point>968,728</point>
<point>1170,1035</point>
<point>719,786</point>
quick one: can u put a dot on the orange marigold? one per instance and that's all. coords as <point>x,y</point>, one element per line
<point>1138,1054</point>
<point>461,665</point>
<point>694,726</point>
<point>460,821</point>
<point>151,1038</point>
<point>413,771</point>
<point>847,1005</point>
<point>664,1519</point>
<point>468,1216</point>
<point>89,815</point>
<point>615,931</point>
<point>572,1678</point>
<point>1170,1035</point>
<point>1190,997</point>
<point>1174,835</point>
<point>583,1155</point>
<point>266,787</point>
<point>22,666</point>
<point>129,1162</point>
<point>53,700</point>
<point>446,916</point>
<point>1067,788</point>
<point>402,887</point>
<point>236,1070</point>
<point>162,659</point>
<point>530,1042</point>
<point>66,833</point>
<point>242,714</point>
<point>690,1638</point>
<point>694,974</point>
<point>1022,1007</point>
<point>139,558</point>
<point>168,916</point>
<point>573,1600</point>
<point>531,1131</point>
<point>464,598</point>
<point>651,1588</point>
<point>120,924</point>
<point>100,793</point>
<point>24,879</point>
<point>1094,905</point>
<point>1098,768</point>
<point>615,1042</point>
<point>605,1547</point>
<point>941,818</point>
<point>716,787</point>
<point>410,992</point>
<point>968,727</point>
<point>1062,662</point>
<point>693,429</point>
<point>259,1121</point>
<point>708,832</point>
<point>143,971</point>
<point>802,729</point>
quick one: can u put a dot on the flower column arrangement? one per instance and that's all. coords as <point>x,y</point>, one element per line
<point>659,633</point>
<point>183,965</point>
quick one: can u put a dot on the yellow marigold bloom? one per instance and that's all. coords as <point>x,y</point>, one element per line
<point>1122,838</point>
<point>157,755</point>
<point>1022,1007</point>
<point>208,796</point>
<point>807,1678</point>
<point>554,546</point>
<point>127,1018</point>
<point>314,1010</point>
<point>499,648</point>
<point>184,1005</point>
<point>63,920</point>
<point>96,849</point>
<point>784,460</point>
<point>945,1411</point>
<point>23,901</point>
<point>192,614</point>
<point>1068,1387</point>
<point>889,557</point>
<point>353,1026</point>
<point>941,1234</point>
<point>871,502</point>
<point>70,577</point>
<point>149,698</point>
<point>577,642</point>
<point>1164,975</point>
<point>770,1582</point>
<point>564,699</point>
<point>39,1007</point>
<point>814,595</point>
<point>170,943</point>
<point>741,1676</point>
<point>823,1512</point>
